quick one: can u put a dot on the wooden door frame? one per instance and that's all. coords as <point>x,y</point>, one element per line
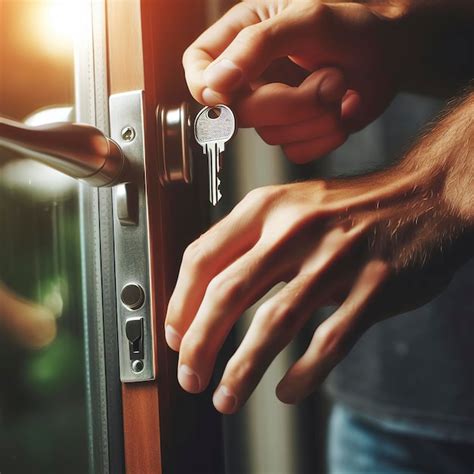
<point>165,430</point>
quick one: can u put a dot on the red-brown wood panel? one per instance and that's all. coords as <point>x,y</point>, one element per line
<point>165,430</point>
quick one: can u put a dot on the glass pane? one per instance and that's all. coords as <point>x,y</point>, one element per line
<point>43,414</point>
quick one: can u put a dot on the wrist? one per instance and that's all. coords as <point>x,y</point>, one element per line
<point>416,222</point>
<point>445,156</point>
<point>406,210</point>
<point>457,192</point>
<point>390,10</point>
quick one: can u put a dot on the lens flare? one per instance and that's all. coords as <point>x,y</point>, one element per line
<point>56,25</point>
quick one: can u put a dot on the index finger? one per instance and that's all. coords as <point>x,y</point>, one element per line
<point>205,258</point>
<point>210,45</point>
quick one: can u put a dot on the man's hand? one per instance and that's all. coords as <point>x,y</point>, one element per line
<point>368,244</point>
<point>305,73</point>
<point>334,53</point>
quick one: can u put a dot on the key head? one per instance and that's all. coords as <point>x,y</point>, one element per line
<point>214,124</point>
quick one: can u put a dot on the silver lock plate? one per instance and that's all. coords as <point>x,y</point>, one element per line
<point>135,325</point>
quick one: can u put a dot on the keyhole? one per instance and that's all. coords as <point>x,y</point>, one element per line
<point>136,346</point>
<point>214,112</point>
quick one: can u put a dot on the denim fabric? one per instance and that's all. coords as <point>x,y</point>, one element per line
<point>358,444</point>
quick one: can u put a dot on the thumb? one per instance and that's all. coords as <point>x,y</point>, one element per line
<point>253,49</point>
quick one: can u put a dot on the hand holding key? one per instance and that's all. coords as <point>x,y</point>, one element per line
<point>308,107</point>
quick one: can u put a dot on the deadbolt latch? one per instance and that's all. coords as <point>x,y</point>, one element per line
<point>173,125</point>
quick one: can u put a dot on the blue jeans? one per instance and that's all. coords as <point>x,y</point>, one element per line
<point>357,445</point>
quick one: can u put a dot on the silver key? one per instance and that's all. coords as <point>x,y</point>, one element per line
<point>213,128</point>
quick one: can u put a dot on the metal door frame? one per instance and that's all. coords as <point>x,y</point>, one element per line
<point>104,404</point>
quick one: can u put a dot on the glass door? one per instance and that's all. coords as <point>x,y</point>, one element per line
<point>43,359</point>
<point>59,406</point>
<point>88,383</point>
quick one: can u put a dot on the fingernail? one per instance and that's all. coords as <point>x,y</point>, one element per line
<point>223,75</point>
<point>332,88</point>
<point>173,339</point>
<point>188,379</point>
<point>224,400</point>
<point>209,97</point>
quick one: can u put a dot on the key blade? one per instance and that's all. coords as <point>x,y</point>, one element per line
<point>214,182</point>
<point>220,147</point>
<point>211,171</point>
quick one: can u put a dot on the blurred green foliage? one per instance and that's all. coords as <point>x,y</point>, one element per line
<point>43,417</point>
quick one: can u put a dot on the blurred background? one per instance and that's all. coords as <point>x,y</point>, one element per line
<point>43,416</point>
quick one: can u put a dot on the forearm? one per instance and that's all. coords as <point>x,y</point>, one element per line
<point>448,149</point>
<point>441,168</point>
<point>422,205</point>
<point>432,41</point>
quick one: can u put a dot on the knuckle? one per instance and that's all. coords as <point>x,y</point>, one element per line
<point>225,288</point>
<point>316,11</point>
<point>261,196</point>
<point>194,347</point>
<point>185,56</point>
<point>255,195</point>
<point>330,341</point>
<point>255,35</point>
<point>321,196</point>
<point>279,319</point>
<point>380,269</point>
<point>321,190</point>
<point>195,256</point>
<point>264,312</point>
<point>242,372</point>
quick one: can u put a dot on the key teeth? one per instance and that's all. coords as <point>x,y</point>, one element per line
<point>219,194</point>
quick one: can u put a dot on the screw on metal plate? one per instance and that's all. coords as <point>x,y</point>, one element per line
<point>128,134</point>
<point>137,366</point>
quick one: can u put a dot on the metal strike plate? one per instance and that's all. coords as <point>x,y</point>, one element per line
<point>126,199</point>
<point>173,125</point>
<point>135,325</point>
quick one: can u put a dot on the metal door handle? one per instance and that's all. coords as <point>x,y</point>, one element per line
<point>78,150</point>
